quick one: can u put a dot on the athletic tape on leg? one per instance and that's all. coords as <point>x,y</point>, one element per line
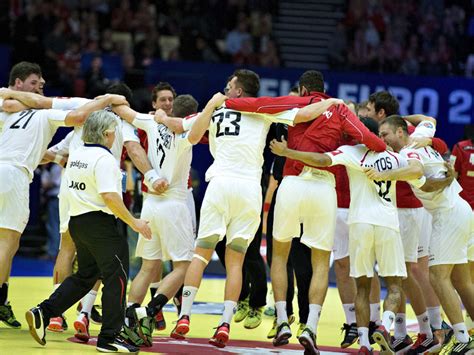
<point>203,259</point>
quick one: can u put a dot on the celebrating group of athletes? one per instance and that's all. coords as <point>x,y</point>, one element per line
<point>359,181</point>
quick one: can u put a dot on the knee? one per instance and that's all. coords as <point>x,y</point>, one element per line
<point>209,242</point>
<point>150,266</point>
<point>341,267</point>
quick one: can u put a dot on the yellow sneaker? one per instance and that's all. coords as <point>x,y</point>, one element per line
<point>242,310</point>
<point>271,334</point>
<point>301,327</point>
<point>254,318</point>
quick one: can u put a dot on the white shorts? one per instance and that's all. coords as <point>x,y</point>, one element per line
<point>368,244</point>
<point>171,226</point>
<point>63,208</point>
<point>313,203</point>
<point>341,236</point>
<point>192,209</point>
<point>410,229</point>
<point>14,198</point>
<point>231,208</point>
<point>470,245</point>
<point>425,233</point>
<point>451,234</point>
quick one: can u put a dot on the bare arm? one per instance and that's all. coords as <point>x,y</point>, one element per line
<point>413,171</point>
<point>29,99</point>
<point>115,204</point>
<point>125,113</point>
<point>416,119</point>
<point>435,184</point>
<point>310,112</point>
<point>309,158</point>
<point>138,155</point>
<point>175,124</point>
<point>202,122</point>
<point>79,115</point>
<point>12,106</point>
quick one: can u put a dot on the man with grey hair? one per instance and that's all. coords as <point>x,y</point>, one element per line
<point>94,197</point>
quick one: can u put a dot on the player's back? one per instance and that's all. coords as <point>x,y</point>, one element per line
<point>236,141</point>
<point>26,135</point>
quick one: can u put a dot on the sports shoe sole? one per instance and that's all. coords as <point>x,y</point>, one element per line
<point>282,339</point>
<point>10,325</point>
<point>182,329</point>
<point>382,342</point>
<point>309,348</point>
<point>220,340</point>
<point>81,331</point>
<point>346,345</point>
<point>30,319</point>
<point>57,328</point>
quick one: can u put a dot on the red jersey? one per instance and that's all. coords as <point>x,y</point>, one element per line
<point>405,196</point>
<point>464,165</point>
<point>144,143</point>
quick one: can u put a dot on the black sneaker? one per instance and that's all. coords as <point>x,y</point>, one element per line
<point>372,328</point>
<point>7,316</point>
<point>117,345</point>
<point>402,345</point>
<point>350,335</point>
<point>95,316</point>
<point>35,320</point>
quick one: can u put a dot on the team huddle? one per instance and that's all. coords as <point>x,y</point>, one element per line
<point>357,181</point>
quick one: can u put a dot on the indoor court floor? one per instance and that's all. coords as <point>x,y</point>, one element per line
<point>26,292</point>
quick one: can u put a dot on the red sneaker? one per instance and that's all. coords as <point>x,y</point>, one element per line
<point>365,351</point>
<point>82,327</point>
<point>160,321</point>
<point>181,328</point>
<point>221,336</point>
<point>56,325</point>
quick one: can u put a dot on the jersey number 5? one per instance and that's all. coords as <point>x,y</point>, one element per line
<point>26,115</point>
<point>223,127</point>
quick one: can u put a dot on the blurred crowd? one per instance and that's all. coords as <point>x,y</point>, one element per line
<point>428,37</point>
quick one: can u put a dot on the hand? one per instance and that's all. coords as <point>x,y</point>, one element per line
<point>217,100</point>
<point>419,142</point>
<point>141,226</point>
<point>114,99</point>
<point>160,186</point>
<point>279,148</point>
<point>160,116</point>
<point>450,173</point>
<point>335,101</point>
<point>374,174</point>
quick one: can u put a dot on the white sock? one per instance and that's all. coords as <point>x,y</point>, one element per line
<point>424,324</point>
<point>400,326</point>
<point>349,311</point>
<point>55,286</point>
<point>229,310</point>
<point>88,301</point>
<point>375,313</point>
<point>364,337</point>
<point>189,294</point>
<point>469,321</point>
<point>460,332</point>
<point>129,304</point>
<point>434,314</point>
<point>313,317</point>
<point>387,319</point>
<point>280,308</point>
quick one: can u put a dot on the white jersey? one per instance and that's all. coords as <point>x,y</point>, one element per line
<point>26,135</point>
<point>170,155</point>
<point>237,140</point>
<point>90,171</point>
<point>372,202</point>
<point>434,167</point>
<point>123,132</point>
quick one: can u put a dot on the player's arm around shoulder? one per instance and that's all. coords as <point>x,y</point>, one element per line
<point>413,172</point>
<point>201,124</point>
<point>313,159</point>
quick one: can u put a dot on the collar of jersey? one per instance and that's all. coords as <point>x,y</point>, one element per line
<point>97,145</point>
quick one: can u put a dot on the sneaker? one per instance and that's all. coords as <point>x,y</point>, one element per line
<point>81,325</point>
<point>95,316</point>
<point>117,345</point>
<point>242,310</point>
<point>283,333</point>
<point>145,327</point>
<point>365,351</point>
<point>424,345</point>
<point>350,334</point>
<point>130,335</point>
<point>35,320</point>
<point>463,348</point>
<point>301,327</point>
<point>269,311</point>
<point>271,334</point>
<point>402,345</point>
<point>308,340</point>
<point>181,328</point>
<point>446,348</point>
<point>7,316</point>
<point>160,320</point>
<point>254,318</point>
<point>382,338</point>
<point>372,327</point>
<point>57,324</point>
<point>221,336</point>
